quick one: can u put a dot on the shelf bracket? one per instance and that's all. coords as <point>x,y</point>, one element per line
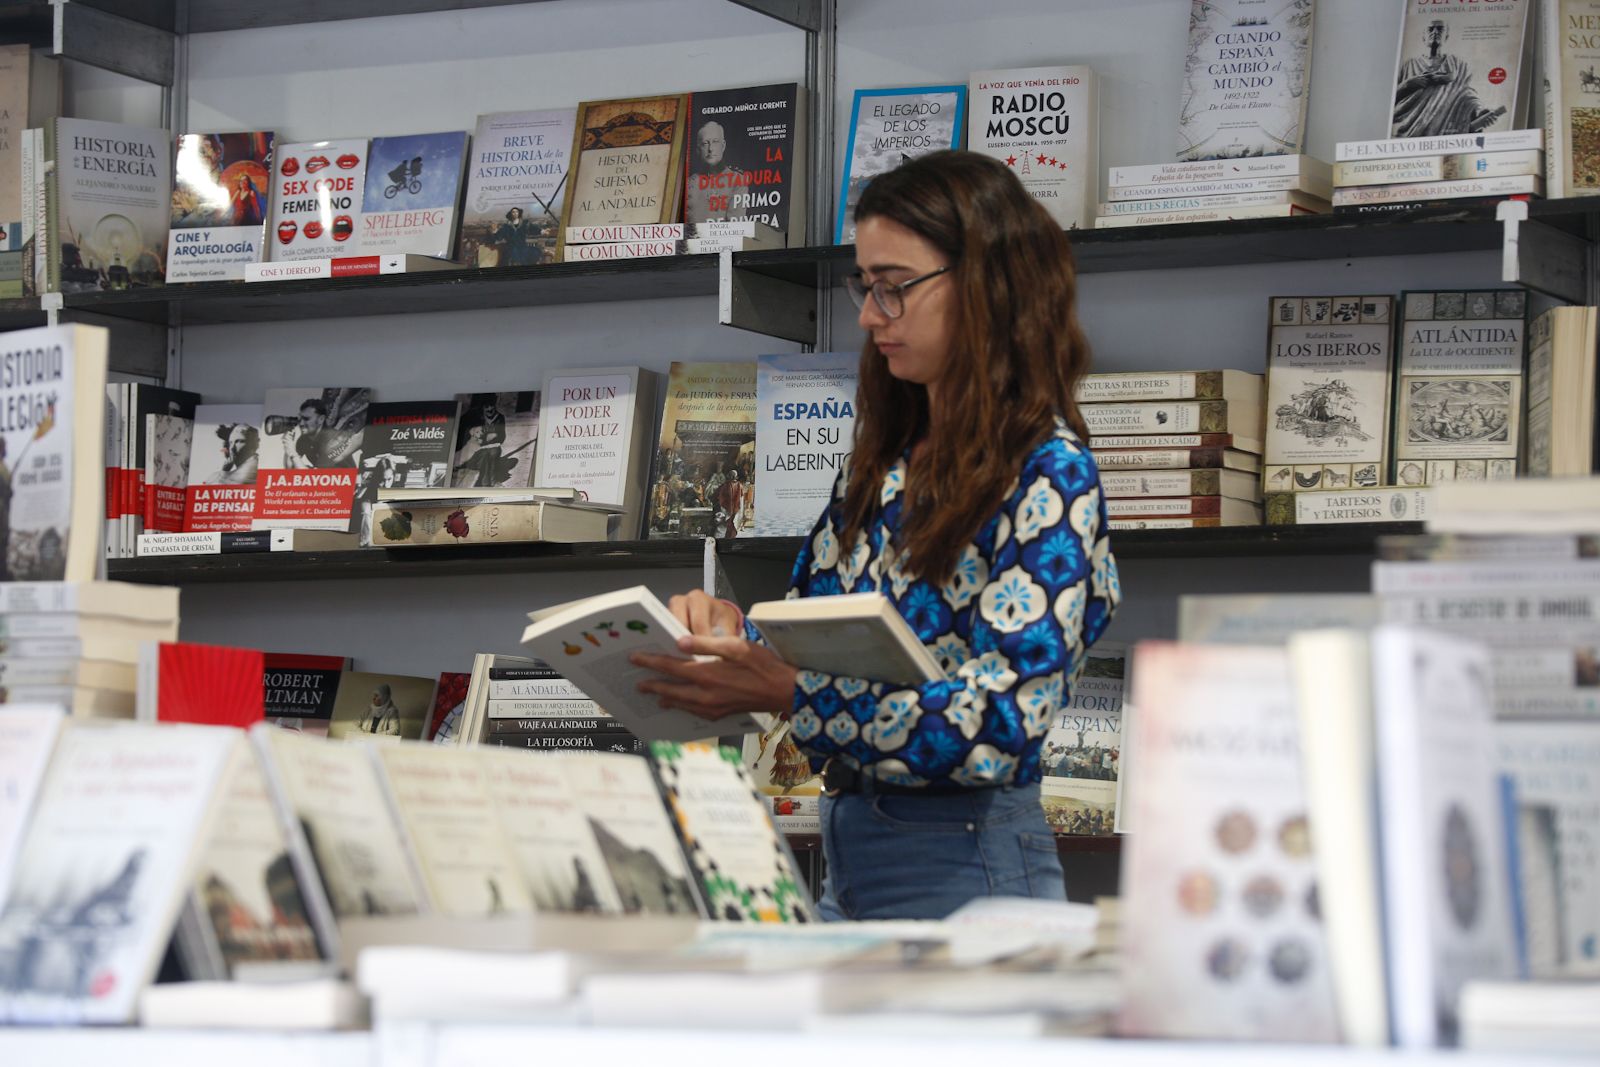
<point>1542,257</point>
<point>764,304</point>
<point>137,348</point>
<point>113,43</point>
<point>801,14</point>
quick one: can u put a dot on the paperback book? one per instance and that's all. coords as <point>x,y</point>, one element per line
<point>224,459</point>
<point>169,439</point>
<point>745,158</point>
<point>311,443</point>
<point>316,195</point>
<point>704,478</point>
<point>1082,756</point>
<point>627,161</point>
<point>299,690</point>
<point>388,707</point>
<point>145,402</point>
<point>1569,49</point>
<point>27,736</point>
<point>108,203</point>
<point>220,198</point>
<point>594,437</point>
<point>805,429</point>
<point>1043,123</point>
<point>405,446</point>
<point>516,187</point>
<point>413,194</point>
<point>1462,68</point>
<point>1247,79</point>
<point>30,83</point>
<point>889,127</point>
<point>496,440</point>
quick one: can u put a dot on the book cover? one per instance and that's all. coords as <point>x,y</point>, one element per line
<point>805,429</point>
<point>619,797</point>
<point>109,205</point>
<point>1246,79</point>
<point>594,436</point>
<point>782,774</point>
<point>889,127</point>
<point>30,84</point>
<point>626,161</point>
<point>224,459</point>
<point>1043,123</point>
<point>704,477</point>
<point>27,736</point>
<point>212,685</point>
<point>744,158</point>
<point>1459,385</point>
<point>1082,756</point>
<point>405,445</point>
<point>413,194</point>
<point>516,187</point>
<point>1269,618</point>
<point>745,870</point>
<point>52,481</point>
<point>299,690</point>
<point>104,868</point>
<point>380,706</point>
<point>1569,49</point>
<point>316,195</point>
<point>1461,69</point>
<point>1329,361</point>
<point>483,521</point>
<point>496,439</point>
<point>169,439</point>
<point>220,196</point>
<point>310,450</point>
<point>1221,933</point>
<point>147,400</point>
<point>449,709</point>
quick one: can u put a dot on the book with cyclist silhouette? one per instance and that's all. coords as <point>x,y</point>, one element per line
<point>516,185</point>
<point>1462,68</point>
<point>316,198</point>
<point>412,199</point>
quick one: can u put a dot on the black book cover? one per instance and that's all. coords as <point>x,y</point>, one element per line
<point>740,159</point>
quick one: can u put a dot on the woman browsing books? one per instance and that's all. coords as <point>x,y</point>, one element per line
<point>971,503</point>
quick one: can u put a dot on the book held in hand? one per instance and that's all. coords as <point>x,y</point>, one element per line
<point>858,635</point>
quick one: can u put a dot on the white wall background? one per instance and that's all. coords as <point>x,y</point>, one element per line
<point>408,74</point>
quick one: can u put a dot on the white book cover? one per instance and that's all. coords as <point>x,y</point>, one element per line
<point>1447,909</point>
<point>594,429</point>
<point>1569,51</point>
<point>1247,78</point>
<point>1556,770</point>
<point>310,450</point>
<point>224,459</point>
<point>105,867</point>
<point>1328,374</point>
<point>316,195</point>
<point>1082,756</point>
<point>220,198</point>
<point>516,184</point>
<point>549,833</point>
<point>109,205</point>
<point>623,803</point>
<point>413,194</point>
<point>27,734</point>
<point>1461,68</point>
<point>889,127</point>
<point>1221,930</point>
<point>1043,123</point>
<point>805,429</point>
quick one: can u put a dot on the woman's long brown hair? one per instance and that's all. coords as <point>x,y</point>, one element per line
<point>1016,354</point>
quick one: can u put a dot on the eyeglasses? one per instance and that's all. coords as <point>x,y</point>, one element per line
<point>889,296</point>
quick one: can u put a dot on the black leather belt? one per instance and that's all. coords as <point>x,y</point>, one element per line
<point>839,778</point>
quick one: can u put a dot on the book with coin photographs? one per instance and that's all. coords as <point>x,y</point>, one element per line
<point>743,864</point>
<point>316,196</point>
<point>299,690</point>
<point>27,736</point>
<point>516,185</point>
<point>627,162</point>
<point>703,479</point>
<point>1462,68</point>
<point>221,192</point>
<point>310,446</point>
<point>496,440</point>
<point>805,428</point>
<point>1569,51</point>
<point>1082,756</point>
<point>412,198</point>
<point>382,707</point>
<point>224,459</point>
<point>245,905</point>
<point>405,446</point>
<point>1459,385</point>
<point>52,476</point>
<point>745,158</point>
<point>1222,937</point>
<point>620,798</point>
<point>104,868</point>
<point>889,127</point>
<point>108,197</point>
<point>1328,416</point>
<point>1247,79</point>
<point>1043,123</point>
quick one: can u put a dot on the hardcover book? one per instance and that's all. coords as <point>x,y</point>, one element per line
<point>1156,421</point>
<point>413,194</point>
<point>311,447</point>
<point>1082,756</point>
<point>516,186</point>
<point>1569,48</point>
<point>1043,123</point>
<point>224,459</point>
<point>380,707</point>
<point>594,437</point>
<point>704,476</point>
<point>1247,78</point>
<point>745,870</point>
<point>316,195</point>
<point>27,736</point>
<point>1127,387</point>
<point>108,201</point>
<point>1459,385</point>
<point>745,158</point>
<point>220,195</point>
<point>627,161</point>
<point>1461,68</point>
<point>1328,373</point>
<point>1380,503</point>
<point>889,127</point>
<point>805,428</point>
<point>470,520</point>
<point>496,438</point>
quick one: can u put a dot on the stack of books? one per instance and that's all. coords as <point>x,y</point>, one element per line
<point>1176,449</point>
<point>1407,172</point>
<point>77,644</point>
<point>1210,190</point>
<point>642,240</point>
<point>524,703</point>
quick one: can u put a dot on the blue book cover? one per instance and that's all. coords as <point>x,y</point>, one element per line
<point>889,127</point>
<point>413,194</point>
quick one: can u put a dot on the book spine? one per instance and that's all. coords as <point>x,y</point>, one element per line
<point>604,742</point>
<point>620,250</point>
<point>1160,440</point>
<point>475,525</point>
<point>535,709</point>
<point>658,233</point>
<point>534,724</point>
<point>1482,165</point>
<point>1522,185</point>
<point>1200,416</point>
<point>1449,144</point>
<point>1156,385</point>
<point>1180,483</point>
<point>1164,218</point>
<point>1219,170</point>
<point>1406,170</point>
<point>701,246</point>
<point>211,544</point>
<point>1219,187</point>
<point>1159,459</point>
<point>1163,524</point>
<point>1382,504</point>
<point>1394,207</point>
<point>1165,507</point>
<point>1194,203</point>
<point>534,689</point>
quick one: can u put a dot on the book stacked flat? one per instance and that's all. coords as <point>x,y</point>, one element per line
<point>1176,449</point>
<point>585,244</point>
<point>520,702</point>
<point>1408,172</point>
<point>77,644</point>
<point>1212,190</point>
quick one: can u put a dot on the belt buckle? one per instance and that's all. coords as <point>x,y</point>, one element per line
<point>830,770</point>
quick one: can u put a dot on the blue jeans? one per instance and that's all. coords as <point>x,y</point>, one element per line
<point>922,857</point>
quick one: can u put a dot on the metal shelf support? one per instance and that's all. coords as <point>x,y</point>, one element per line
<point>89,35</point>
<point>1542,257</point>
<point>764,304</point>
<point>801,14</point>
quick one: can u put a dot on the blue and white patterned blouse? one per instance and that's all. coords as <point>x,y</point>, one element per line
<point>1031,592</point>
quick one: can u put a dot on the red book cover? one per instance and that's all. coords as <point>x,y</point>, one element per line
<point>449,705</point>
<point>220,490</point>
<point>310,444</point>
<point>208,684</point>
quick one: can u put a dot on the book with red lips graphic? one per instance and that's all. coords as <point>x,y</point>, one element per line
<point>316,195</point>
